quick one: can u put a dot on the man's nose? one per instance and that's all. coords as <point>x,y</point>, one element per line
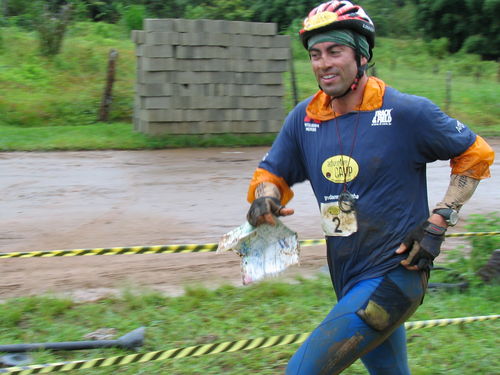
<point>324,62</point>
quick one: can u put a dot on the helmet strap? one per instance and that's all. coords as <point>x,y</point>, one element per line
<point>361,70</point>
<point>354,85</point>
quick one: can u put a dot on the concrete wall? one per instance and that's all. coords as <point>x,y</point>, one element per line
<point>209,76</point>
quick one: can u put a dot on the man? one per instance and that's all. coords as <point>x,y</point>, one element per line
<point>364,147</point>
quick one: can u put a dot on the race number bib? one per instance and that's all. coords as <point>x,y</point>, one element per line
<point>335,222</point>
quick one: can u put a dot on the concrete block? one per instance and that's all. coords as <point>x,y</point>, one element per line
<point>216,127</point>
<point>247,78</point>
<point>188,89</point>
<point>218,39</point>
<point>211,127</point>
<point>247,40</point>
<point>152,77</point>
<point>137,124</point>
<point>162,50</point>
<point>238,27</point>
<point>193,39</point>
<point>138,36</point>
<point>202,52</point>
<point>190,25</point>
<point>155,89</point>
<point>157,102</point>
<point>162,37</point>
<point>190,78</point>
<point>263,28</point>
<point>152,64</point>
<point>214,27</point>
<point>209,65</point>
<point>139,50</point>
<point>268,53</point>
<point>281,41</point>
<point>162,115</point>
<point>164,24</point>
<point>259,66</point>
<point>174,128</point>
<point>258,102</point>
<point>261,90</point>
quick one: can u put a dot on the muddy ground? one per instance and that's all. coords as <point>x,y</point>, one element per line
<point>74,200</point>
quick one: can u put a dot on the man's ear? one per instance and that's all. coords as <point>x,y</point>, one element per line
<point>364,60</point>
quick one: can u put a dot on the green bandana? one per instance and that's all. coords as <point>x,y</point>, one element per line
<point>343,37</point>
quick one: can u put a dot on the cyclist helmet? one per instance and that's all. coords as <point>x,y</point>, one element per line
<point>338,14</point>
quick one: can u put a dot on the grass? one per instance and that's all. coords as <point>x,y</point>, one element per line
<point>229,313</point>
<point>269,308</point>
<point>63,94</point>
<point>114,136</point>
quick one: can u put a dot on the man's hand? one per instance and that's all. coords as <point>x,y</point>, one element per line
<point>264,209</point>
<point>424,244</point>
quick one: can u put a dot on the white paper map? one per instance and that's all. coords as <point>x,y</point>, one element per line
<point>265,250</point>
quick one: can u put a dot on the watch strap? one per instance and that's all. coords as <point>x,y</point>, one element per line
<point>434,229</point>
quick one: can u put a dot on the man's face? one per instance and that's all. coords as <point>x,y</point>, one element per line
<point>334,66</point>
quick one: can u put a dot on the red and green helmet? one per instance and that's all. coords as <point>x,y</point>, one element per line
<point>338,14</point>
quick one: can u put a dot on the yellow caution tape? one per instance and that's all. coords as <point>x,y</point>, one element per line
<point>206,349</point>
<point>168,249</point>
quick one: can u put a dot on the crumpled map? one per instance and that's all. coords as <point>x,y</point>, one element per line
<point>265,250</point>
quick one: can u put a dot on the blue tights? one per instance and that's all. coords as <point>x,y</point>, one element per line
<point>366,323</point>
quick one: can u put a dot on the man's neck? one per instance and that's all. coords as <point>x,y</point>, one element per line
<point>350,101</point>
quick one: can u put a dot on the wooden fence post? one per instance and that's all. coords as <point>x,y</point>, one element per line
<point>107,97</point>
<point>447,99</point>
<point>293,79</point>
<point>498,71</point>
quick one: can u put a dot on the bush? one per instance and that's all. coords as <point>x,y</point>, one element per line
<point>438,48</point>
<point>483,247</point>
<point>133,17</point>
<point>51,27</point>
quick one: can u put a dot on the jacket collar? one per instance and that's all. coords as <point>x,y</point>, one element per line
<point>319,107</point>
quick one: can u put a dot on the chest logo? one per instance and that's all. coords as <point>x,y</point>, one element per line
<point>340,169</point>
<point>311,125</point>
<point>382,117</point>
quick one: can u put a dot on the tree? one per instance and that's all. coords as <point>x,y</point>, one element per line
<point>472,25</point>
<point>51,24</point>
<point>236,10</point>
<point>282,12</point>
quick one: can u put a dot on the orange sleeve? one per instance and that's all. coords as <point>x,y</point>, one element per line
<point>475,161</point>
<point>261,175</point>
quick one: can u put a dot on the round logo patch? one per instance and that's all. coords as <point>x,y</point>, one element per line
<point>340,169</point>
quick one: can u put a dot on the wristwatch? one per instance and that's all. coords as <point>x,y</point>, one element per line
<point>448,214</point>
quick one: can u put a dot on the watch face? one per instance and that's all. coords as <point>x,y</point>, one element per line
<point>453,218</point>
<point>449,214</point>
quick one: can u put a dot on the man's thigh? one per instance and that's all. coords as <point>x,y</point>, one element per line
<point>359,322</point>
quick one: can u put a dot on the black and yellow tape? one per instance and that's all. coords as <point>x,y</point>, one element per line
<point>156,249</point>
<point>207,349</point>
<point>169,249</point>
<point>447,322</point>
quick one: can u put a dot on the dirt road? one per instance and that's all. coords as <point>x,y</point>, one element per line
<point>72,200</point>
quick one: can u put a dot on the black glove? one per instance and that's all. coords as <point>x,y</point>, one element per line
<point>262,206</point>
<point>424,244</point>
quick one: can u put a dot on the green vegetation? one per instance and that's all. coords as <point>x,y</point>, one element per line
<point>115,136</point>
<point>266,309</point>
<point>52,103</point>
